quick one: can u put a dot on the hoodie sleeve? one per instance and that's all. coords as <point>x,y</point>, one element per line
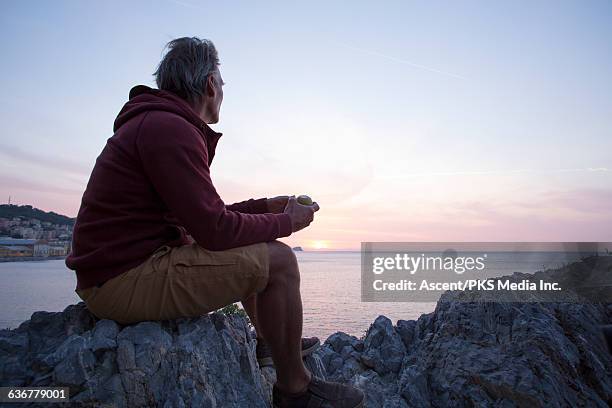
<point>175,159</point>
<point>250,206</point>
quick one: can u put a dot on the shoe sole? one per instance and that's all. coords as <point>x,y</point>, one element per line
<point>267,361</point>
<point>359,405</point>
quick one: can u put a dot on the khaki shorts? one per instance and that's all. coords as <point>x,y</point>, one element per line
<point>185,281</point>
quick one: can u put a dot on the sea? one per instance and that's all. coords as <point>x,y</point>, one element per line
<point>330,288</point>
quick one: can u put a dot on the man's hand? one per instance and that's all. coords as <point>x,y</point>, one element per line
<point>277,204</point>
<point>301,215</point>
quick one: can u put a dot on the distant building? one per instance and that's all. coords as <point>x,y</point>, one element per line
<point>8,241</point>
<point>28,233</point>
<point>10,247</point>
<point>16,250</point>
<point>57,250</point>
<point>41,248</point>
<point>48,234</point>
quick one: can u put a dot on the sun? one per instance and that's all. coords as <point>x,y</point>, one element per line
<point>319,244</point>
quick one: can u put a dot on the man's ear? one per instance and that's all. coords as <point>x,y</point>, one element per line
<point>211,85</point>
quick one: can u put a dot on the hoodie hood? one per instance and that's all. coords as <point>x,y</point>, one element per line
<point>143,99</point>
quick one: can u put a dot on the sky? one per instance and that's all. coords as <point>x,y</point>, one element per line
<point>405,121</point>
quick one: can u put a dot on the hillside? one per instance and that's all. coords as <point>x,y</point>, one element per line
<point>9,211</point>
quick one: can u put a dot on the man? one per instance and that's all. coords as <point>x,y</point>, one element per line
<point>153,240</point>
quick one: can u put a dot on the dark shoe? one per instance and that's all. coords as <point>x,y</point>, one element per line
<point>320,394</point>
<point>264,354</point>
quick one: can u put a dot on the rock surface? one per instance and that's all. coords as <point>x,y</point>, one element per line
<point>209,361</point>
<point>484,354</point>
<point>480,354</point>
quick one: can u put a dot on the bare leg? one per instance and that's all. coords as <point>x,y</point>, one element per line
<point>250,306</point>
<point>279,316</point>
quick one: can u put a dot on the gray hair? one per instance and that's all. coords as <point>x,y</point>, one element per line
<point>185,67</point>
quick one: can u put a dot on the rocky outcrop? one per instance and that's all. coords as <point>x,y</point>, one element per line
<point>483,354</point>
<point>464,354</point>
<point>204,362</point>
<point>208,361</point>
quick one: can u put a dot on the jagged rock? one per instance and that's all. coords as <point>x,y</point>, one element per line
<point>406,329</point>
<point>383,347</point>
<point>208,361</point>
<point>485,354</point>
<point>464,354</point>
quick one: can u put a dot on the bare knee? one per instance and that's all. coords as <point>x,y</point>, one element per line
<point>283,264</point>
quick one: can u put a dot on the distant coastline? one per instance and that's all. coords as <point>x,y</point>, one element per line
<point>30,258</point>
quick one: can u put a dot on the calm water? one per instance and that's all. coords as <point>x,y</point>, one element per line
<point>330,292</point>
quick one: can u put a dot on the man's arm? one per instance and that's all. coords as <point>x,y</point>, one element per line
<point>250,206</point>
<point>275,205</point>
<point>175,159</point>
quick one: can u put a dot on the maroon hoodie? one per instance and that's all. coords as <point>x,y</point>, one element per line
<point>151,186</point>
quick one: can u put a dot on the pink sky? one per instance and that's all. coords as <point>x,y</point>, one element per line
<point>409,122</point>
